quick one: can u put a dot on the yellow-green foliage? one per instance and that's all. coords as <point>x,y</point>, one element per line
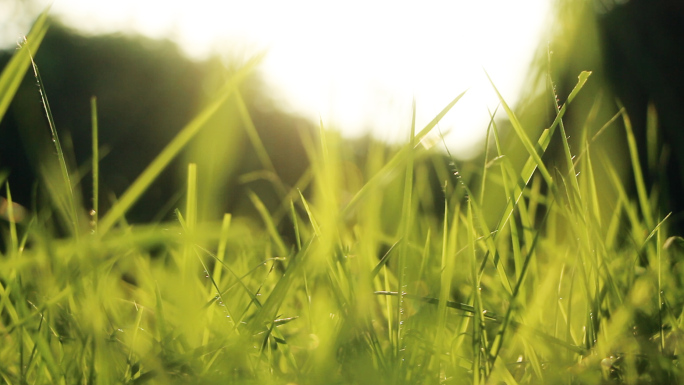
<point>377,287</point>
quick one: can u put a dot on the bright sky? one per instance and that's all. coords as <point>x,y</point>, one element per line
<point>357,65</point>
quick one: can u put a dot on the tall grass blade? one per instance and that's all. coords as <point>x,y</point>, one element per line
<point>267,312</point>
<point>522,135</point>
<point>131,195</point>
<point>16,68</point>
<point>542,144</point>
<point>406,226</point>
<point>399,159</point>
<point>642,192</point>
<point>478,337</point>
<point>258,145</point>
<point>72,212</point>
<point>14,241</point>
<point>96,164</point>
<point>449,237</point>
<point>270,226</point>
<point>312,218</point>
<point>572,174</point>
<point>486,156</point>
<point>190,223</point>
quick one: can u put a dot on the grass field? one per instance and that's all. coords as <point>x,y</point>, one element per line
<point>377,286</point>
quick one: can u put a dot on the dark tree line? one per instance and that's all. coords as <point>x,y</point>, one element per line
<point>147,91</point>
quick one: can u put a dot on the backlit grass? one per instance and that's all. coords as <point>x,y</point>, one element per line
<point>378,285</point>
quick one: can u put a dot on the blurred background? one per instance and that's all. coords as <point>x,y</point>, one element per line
<point>354,66</point>
<point>357,65</point>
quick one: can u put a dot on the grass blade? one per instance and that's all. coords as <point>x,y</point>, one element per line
<point>131,195</point>
<point>522,135</point>
<point>72,213</point>
<point>398,159</point>
<point>16,68</point>
<point>270,226</point>
<point>642,193</point>
<point>96,164</point>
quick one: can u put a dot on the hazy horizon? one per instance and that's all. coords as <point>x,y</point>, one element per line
<point>355,65</point>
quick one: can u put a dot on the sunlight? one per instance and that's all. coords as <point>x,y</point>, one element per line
<point>355,65</point>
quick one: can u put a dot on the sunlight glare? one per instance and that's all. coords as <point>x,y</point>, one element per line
<point>357,65</point>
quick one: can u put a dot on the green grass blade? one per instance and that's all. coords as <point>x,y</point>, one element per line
<point>190,223</point>
<point>522,135</point>
<point>16,68</point>
<point>630,210</point>
<point>660,288</point>
<point>642,192</point>
<point>270,226</point>
<point>96,164</point>
<point>312,218</point>
<point>267,311</point>
<point>383,261</point>
<point>448,262</point>
<point>295,222</point>
<point>581,81</point>
<point>397,160</point>
<point>14,242</point>
<point>478,337</point>
<point>221,252</point>
<point>405,227</point>
<point>258,145</point>
<point>564,138</point>
<point>542,144</point>
<point>497,344</point>
<point>655,231</point>
<point>131,195</point>
<point>73,212</point>
<point>592,188</point>
<point>486,156</point>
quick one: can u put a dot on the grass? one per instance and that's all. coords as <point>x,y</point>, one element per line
<point>377,287</point>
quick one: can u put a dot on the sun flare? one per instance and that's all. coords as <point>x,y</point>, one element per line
<point>355,65</point>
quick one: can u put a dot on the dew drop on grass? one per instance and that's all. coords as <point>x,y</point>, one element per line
<point>92,213</point>
<point>21,41</point>
<point>607,362</point>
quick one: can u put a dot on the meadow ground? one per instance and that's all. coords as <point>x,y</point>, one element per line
<point>376,286</point>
